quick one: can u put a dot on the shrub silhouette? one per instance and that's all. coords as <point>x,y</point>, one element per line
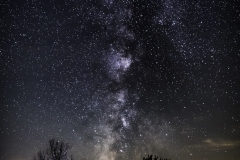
<point>154,158</point>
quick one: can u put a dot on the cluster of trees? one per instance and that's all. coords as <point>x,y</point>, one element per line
<point>57,150</point>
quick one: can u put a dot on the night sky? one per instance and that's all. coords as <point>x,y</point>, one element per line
<point>120,79</point>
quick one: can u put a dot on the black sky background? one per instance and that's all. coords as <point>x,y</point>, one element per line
<point>120,80</point>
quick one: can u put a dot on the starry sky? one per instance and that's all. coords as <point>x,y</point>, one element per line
<point>120,79</point>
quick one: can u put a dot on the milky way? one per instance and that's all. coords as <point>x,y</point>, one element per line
<point>120,79</point>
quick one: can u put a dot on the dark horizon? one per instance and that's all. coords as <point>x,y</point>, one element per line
<point>120,79</point>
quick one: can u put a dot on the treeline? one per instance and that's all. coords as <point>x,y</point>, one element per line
<point>58,150</point>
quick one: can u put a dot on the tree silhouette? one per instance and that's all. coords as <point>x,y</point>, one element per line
<point>57,150</point>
